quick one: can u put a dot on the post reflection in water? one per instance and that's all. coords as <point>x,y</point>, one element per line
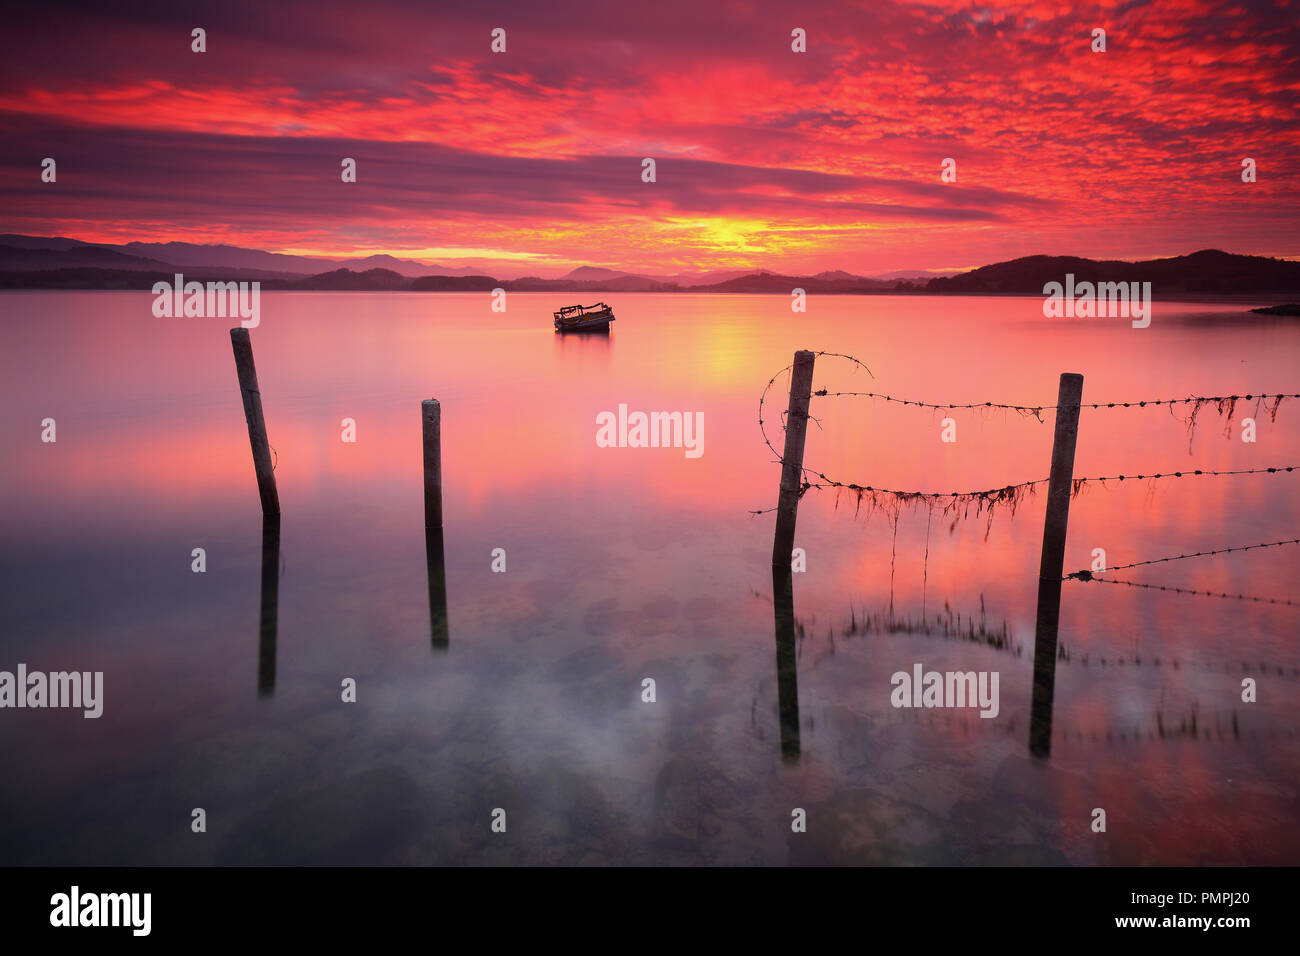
<point>1040,714</point>
<point>270,613</point>
<point>787,677</point>
<point>437,588</point>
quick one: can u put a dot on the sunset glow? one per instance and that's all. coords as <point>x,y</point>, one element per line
<point>529,161</point>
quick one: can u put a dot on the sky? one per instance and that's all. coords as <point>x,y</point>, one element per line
<point>530,161</point>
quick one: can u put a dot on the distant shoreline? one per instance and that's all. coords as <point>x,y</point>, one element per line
<point>1208,274</point>
<point>1229,298</point>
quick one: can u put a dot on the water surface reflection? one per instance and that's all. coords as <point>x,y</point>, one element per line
<point>626,564</point>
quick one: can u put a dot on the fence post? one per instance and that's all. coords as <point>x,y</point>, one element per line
<point>431,418</point>
<point>431,415</point>
<point>1059,487</point>
<point>252,396</point>
<point>796,428</point>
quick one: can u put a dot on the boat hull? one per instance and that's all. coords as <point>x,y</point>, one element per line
<point>594,325</point>
<point>584,318</point>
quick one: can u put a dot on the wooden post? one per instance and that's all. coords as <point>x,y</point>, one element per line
<point>431,417</point>
<point>796,428</point>
<point>270,605</point>
<point>1059,487</point>
<point>256,423</point>
<point>431,414</point>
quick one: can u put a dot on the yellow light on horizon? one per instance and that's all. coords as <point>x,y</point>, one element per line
<point>433,252</point>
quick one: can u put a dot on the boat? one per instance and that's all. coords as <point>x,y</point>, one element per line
<point>584,318</point>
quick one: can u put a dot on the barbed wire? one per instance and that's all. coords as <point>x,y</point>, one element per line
<point>1009,495</point>
<point>1089,575</point>
<point>772,381</point>
<point>1037,410</point>
<point>1165,587</point>
<point>1078,482</point>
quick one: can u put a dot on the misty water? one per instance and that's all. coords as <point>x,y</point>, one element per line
<point>624,564</point>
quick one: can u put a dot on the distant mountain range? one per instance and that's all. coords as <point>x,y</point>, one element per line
<point>37,253</point>
<point>384,280</point>
<point>1206,271</point>
<point>31,262</point>
<point>83,264</point>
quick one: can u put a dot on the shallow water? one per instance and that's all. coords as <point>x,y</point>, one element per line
<point>633,563</point>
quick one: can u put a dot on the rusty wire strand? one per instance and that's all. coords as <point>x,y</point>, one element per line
<point>1010,494</point>
<point>1217,594</point>
<point>987,499</point>
<point>1037,410</point>
<point>1091,575</point>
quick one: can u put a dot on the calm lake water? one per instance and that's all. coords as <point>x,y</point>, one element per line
<point>624,564</point>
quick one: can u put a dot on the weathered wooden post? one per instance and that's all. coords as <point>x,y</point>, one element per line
<point>256,423</point>
<point>431,417</point>
<point>431,414</point>
<point>1059,487</point>
<point>796,428</point>
<point>270,614</point>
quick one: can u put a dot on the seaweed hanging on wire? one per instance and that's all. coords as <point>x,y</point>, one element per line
<point>958,504</point>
